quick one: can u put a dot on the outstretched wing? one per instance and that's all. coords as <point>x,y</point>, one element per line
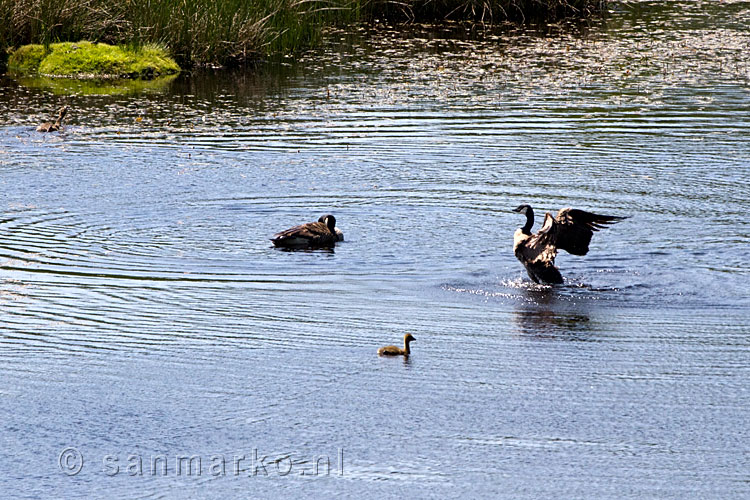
<point>537,255</point>
<point>572,229</point>
<point>536,248</point>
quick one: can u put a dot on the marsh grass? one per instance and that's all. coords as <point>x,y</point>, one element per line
<point>221,32</point>
<point>484,11</point>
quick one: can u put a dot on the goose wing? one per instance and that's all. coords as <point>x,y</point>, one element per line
<point>537,254</point>
<point>537,248</point>
<point>311,233</point>
<point>572,229</point>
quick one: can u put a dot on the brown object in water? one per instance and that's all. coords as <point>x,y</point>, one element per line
<point>56,125</point>
<point>322,233</point>
<point>392,350</point>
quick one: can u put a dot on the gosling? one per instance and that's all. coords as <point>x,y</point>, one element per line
<point>56,125</point>
<point>392,350</point>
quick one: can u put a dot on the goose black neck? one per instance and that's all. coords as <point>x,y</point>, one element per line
<point>529,221</point>
<point>331,223</point>
<point>60,117</point>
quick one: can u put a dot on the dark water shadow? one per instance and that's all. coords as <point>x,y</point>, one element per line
<point>544,315</point>
<point>327,250</point>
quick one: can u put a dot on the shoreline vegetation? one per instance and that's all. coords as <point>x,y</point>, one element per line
<point>231,32</point>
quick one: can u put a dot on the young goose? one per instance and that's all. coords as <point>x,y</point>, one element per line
<point>392,350</point>
<point>57,125</point>
<point>322,233</point>
<point>571,231</point>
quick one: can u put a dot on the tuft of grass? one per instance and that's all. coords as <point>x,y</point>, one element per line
<point>93,60</point>
<point>27,59</point>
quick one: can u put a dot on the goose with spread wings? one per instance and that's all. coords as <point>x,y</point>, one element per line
<point>571,231</point>
<point>322,233</point>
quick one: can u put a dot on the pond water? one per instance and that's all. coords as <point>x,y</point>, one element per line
<point>145,316</point>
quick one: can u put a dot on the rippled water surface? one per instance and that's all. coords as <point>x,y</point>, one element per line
<point>144,313</point>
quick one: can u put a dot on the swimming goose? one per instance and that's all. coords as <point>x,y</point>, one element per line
<point>392,350</point>
<point>57,125</point>
<point>571,231</point>
<point>322,233</point>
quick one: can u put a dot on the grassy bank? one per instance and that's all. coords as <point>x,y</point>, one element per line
<point>220,32</point>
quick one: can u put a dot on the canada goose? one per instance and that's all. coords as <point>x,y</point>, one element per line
<point>57,125</point>
<point>392,350</point>
<point>571,231</point>
<point>322,233</point>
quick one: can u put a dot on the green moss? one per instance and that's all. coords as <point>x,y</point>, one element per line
<point>26,59</point>
<point>95,60</point>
